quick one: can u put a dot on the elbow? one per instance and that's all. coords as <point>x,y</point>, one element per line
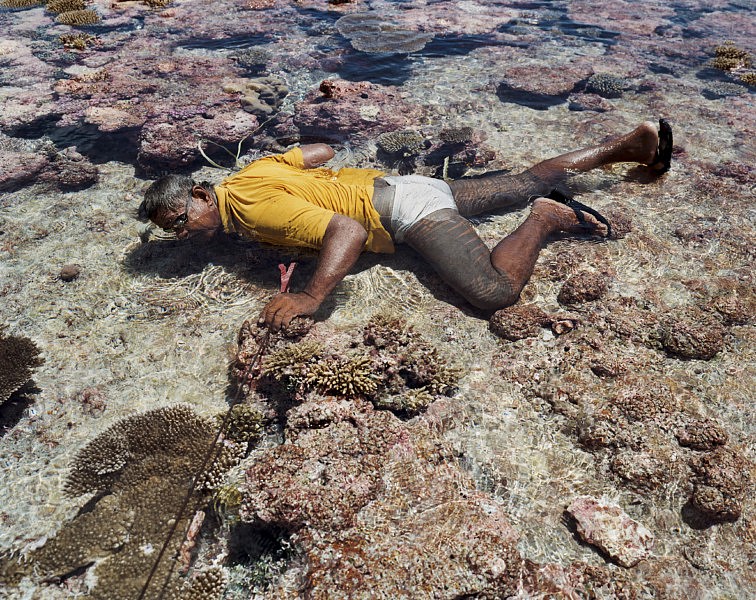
<point>347,229</point>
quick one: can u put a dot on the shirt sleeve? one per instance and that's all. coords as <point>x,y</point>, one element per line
<point>292,221</point>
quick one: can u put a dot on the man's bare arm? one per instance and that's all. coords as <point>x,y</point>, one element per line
<point>315,155</point>
<point>342,244</point>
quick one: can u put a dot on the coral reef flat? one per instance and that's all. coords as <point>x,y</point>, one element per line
<point>615,398</point>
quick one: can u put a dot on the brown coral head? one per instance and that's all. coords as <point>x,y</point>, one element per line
<point>327,88</point>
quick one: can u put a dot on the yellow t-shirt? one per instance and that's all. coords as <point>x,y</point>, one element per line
<point>276,200</point>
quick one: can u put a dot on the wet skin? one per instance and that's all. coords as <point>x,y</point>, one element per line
<point>487,279</point>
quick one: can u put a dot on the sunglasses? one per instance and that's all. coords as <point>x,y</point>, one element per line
<point>180,221</point>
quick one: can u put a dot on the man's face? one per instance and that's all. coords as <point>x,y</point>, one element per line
<point>198,219</point>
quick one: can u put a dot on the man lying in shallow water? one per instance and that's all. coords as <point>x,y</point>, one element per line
<point>290,200</point>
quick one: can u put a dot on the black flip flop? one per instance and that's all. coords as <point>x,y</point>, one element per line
<point>579,209</point>
<point>663,159</point>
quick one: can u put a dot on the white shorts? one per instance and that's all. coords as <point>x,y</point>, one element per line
<point>415,197</point>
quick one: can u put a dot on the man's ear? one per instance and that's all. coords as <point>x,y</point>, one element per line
<point>201,193</point>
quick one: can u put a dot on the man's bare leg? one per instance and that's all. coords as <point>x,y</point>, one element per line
<point>490,193</point>
<point>517,253</point>
<point>491,279</point>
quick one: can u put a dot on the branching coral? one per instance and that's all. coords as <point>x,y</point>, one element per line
<point>405,353</point>
<point>291,364</point>
<point>345,376</point>
<point>729,57</point>
<point>605,85</point>
<point>389,363</point>
<point>78,18</point>
<point>77,41</point>
<point>20,3</point>
<point>19,356</point>
<point>407,403</point>
<point>252,59</point>
<point>245,424</point>
<point>62,6</point>
<point>456,135</point>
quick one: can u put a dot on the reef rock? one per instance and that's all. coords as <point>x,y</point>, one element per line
<point>720,484</point>
<point>583,287</point>
<point>73,171</point>
<point>351,480</point>
<point>342,109</point>
<point>174,144</point>
<point>321,476</point>
<point>609,528</point>
<point>20,168</point>
<point>518,322</point>
<point>69,272</point>
<point>692,334</point>
<point>539,87</point>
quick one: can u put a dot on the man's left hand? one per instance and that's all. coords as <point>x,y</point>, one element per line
<point>284,307</point>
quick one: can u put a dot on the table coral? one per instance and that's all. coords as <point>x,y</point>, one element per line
<point>373,32</point>
<point>19,356</point>
<point>142,468</point>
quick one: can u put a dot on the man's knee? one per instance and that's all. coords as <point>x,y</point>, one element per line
<point>488,293</point>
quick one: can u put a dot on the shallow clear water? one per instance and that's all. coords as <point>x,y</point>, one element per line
<point>152,324</point>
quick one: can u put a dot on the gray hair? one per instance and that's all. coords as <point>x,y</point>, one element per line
<point>167,193</point>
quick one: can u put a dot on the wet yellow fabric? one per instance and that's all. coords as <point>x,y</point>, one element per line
<point>277,201</point>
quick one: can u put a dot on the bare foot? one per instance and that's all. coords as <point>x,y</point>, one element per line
<point>642,143</point>
<point>560,217</point>
<point>639,146</point>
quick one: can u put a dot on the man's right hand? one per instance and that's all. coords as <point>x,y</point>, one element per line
<point>284,307</point>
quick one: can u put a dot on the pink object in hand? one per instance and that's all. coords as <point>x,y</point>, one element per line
<point>286,275</point>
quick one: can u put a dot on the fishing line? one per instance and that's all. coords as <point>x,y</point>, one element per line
<point>212,454</point>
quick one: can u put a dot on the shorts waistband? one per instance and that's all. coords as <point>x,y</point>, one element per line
<point>383,201</point>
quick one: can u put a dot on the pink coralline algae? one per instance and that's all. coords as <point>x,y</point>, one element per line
<point>609,528</point>
<point>139,93</point>
<point>539,87</point>
<point>380,508</point>
<point>341,109</point>
<point>324,475</point>
<point>20,168</point>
